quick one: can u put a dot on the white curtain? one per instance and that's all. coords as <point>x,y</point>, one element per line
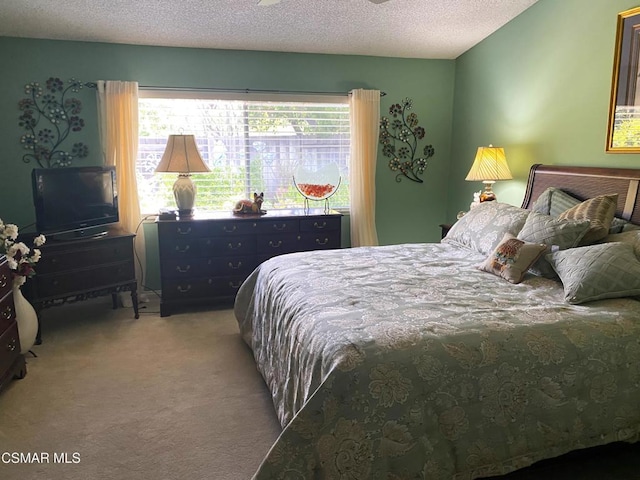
<point>118,123</point>
<point>365,128</point>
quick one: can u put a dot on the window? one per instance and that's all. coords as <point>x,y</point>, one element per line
<point>250,144</point>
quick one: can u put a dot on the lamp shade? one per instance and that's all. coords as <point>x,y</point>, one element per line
<point>182,156</point>
<point>490,164</point>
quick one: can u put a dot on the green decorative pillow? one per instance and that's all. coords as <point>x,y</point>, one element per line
<point>554,201</point>
<point>512,258</point>
<point>553,232</point>
<point>596,272</point>
<point>599,211</point>
<point>619,225</point>
<point>482,228</point>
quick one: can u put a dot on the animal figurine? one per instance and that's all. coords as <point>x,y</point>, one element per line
<point>476,199</point>
<point>247,206</point>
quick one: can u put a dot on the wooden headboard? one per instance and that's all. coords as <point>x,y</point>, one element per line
<point>588,182</point>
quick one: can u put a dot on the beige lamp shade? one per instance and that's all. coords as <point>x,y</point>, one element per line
<point>182,156</point>
<point>489,165</point>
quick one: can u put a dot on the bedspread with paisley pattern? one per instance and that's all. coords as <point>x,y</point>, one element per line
<point>407,362</point>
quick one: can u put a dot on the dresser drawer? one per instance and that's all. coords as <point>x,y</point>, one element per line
<point>277,244</point>
<point>231,266</point>
<point>231,245</point>
<point>5,278</point>
<point>63,284</point>
<point>320,224</point>
<point>319,241</point>
<point>98,254</point>
<point>180,247</point>
<point>227,227</point>
<point>201,288</point>
<point>206,267</point>
<point>9,347</point>
<point>175,230</point>
<point>278,226</point>
<point>7,312</point>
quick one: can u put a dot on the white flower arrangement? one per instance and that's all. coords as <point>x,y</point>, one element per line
<point>20,257</point>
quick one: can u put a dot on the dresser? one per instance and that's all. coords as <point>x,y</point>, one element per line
<point>206,259</point>
<point>81,268</point>
<point>12,363</point>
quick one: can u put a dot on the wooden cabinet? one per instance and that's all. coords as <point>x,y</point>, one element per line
<point>444,229</point>
<point>80,268</point>
<point>12,364</point>
<point>205,260</point>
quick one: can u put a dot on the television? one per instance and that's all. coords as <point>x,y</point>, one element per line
<point>74,199</point>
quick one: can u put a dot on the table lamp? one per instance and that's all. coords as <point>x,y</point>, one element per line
<point>182,156</point>
<point>489,165</point>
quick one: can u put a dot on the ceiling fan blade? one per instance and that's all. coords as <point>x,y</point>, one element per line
<point>378,1</point>
<point>266,3</point>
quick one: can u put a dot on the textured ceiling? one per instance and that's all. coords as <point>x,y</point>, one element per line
<point>398,28</point>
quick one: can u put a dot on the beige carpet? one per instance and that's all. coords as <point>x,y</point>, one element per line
<point>170,398</point>
<point>156,398</point>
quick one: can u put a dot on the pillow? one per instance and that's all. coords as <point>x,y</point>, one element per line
<point>596,272</point>
<point>512,258</point>
<point>482,228</point>
<point>632,237</point>
<point>553,232</point>
<point>599,211</point>
<point>554,201</point>
<point>619,225</point>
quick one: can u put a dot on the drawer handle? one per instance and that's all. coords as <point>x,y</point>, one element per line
<point>319,226</point>
<point>183,232</point>
<point>3,281</point>
<point>229,230</point>
<point>235,284</point>
<point>7,312</point>
<point>235,267</point>
<point>182,250</point>
<point>279,227</point>
<point>275,245</point>
<point>320,242</point>
<point>11,346</point>
<point>181,269</point>
<point>234,247</point>
<point>182,289</point>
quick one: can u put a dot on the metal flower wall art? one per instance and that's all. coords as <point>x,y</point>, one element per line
<point>48,116</point>
<point>399,136</point>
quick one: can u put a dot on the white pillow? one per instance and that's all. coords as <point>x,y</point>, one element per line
<point>484,226</point>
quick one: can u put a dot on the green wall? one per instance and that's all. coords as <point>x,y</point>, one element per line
<point>539,87</point>
<point>405,212</point>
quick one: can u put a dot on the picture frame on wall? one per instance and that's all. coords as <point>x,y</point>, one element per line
<point>623,131</point>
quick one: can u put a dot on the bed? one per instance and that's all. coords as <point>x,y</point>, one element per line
<point>409,361</point>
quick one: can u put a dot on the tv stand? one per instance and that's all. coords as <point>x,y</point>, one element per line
<point>81,268</point>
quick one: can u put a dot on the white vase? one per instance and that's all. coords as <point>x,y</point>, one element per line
<point>27,320</point>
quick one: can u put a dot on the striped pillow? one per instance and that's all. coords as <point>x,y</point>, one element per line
<point>554,201</point>
<point>599,211</point>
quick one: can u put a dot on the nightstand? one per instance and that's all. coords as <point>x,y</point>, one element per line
<point>445,227</point>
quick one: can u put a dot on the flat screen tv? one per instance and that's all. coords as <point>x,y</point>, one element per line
<point>74,199</point>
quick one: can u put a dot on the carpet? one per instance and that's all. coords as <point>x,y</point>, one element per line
<point>176,397</point>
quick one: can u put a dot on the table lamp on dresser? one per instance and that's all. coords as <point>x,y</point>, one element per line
<point>182,156</point>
